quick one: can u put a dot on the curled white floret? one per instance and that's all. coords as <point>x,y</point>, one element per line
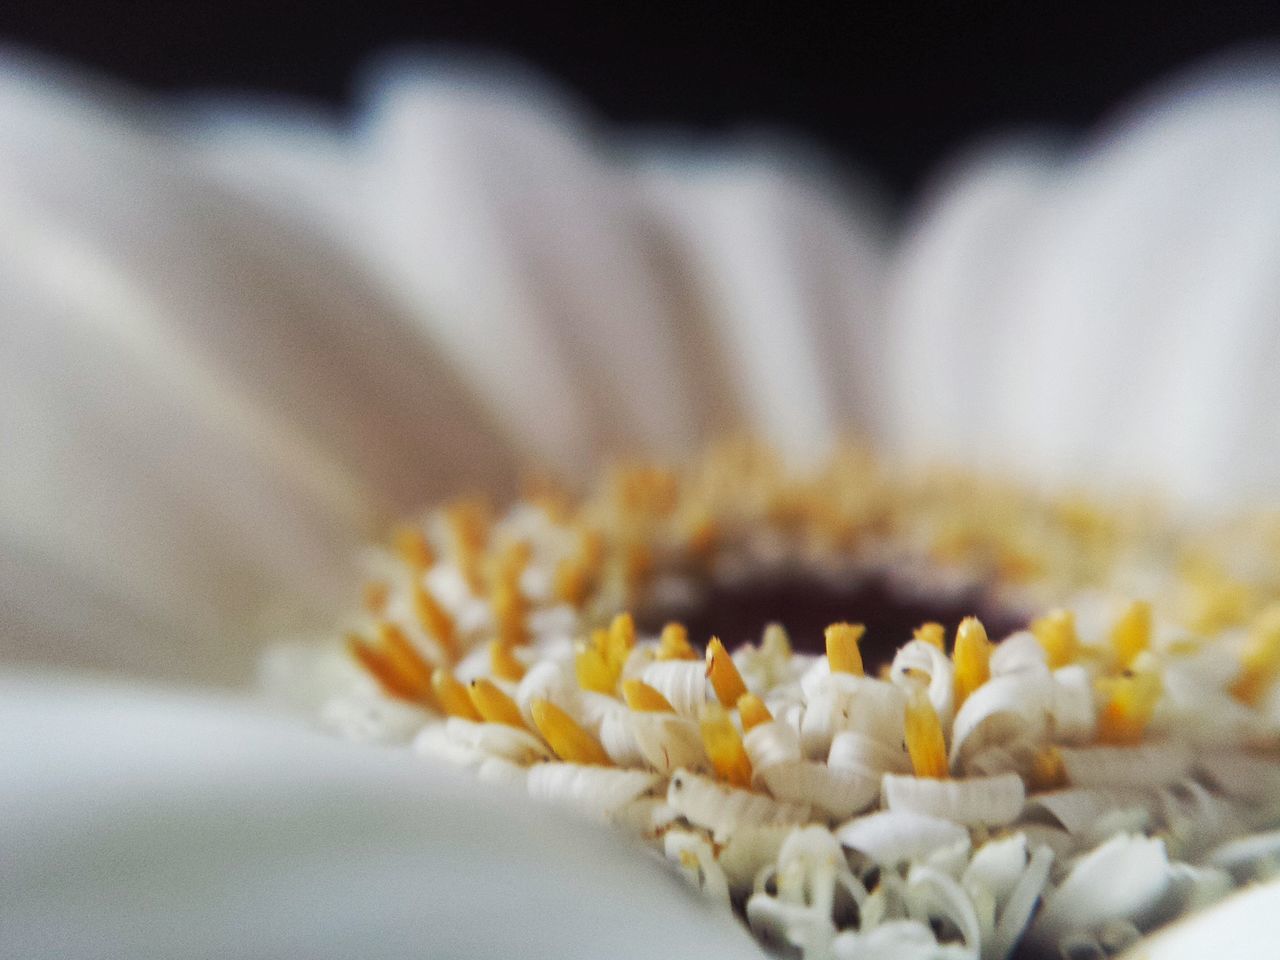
<point>1018,653</point>
<point>1196,818</point>
<point>1079,809</point>
<point>750,850</point>
<point>771,744</point>
<point>682,682</point>
<point>1247,858</point>
<point>617,736</point>
<point>996,866</point>
<point>896,940</point>
<point>552,681</point>
<point>1016,912</point>
<point>667,742</point>
<point>697,863</point>
<point>1144,766</point>
<point>990,801</point>
<point>837,794</point>
<point>1072,712</point>
<point>1001,711</point>
<point>842,702</point>
<point>933,896</point>
<point>502,772</point>
<point>918,658</point>
<point>722,809</point>
<point>1240,775</point>
<point>892,837</point>
<point>599,792</point>
<point>1124,878</point>
<point>496,740</point>
<point>810,880</point>
<point>859,753</point>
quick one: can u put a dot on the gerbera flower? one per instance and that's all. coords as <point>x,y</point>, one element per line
<point>232,351</point>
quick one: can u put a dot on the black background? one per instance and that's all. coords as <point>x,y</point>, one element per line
<point>893,87</point>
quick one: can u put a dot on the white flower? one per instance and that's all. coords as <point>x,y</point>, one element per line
<point>229,347</point>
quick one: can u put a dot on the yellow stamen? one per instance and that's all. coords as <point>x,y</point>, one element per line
<point>378,665</point>
<point>1047,770</point>
<point>405,659</point>
<point>674,644</point>
<point>775,642</point>
<point>1260,659</point>
<point>503,663</point>
<point>637,563</point>
<point>842,648</point>
<point>374,597</point>
<point>1131,634</point>
<point>452,695</point>
<point>592,670</point>
<point>934,634</point>
<point>923,733</point>
<point>468,523</point>
<point>493,705</point>
<point>972,657</point>
<point>435,620</point>
<point>567,740</point>
<point>644,698</point>
<point>753,711</point>
<point>509,611</point>
<point>572,581</point>
<point>621,639</point>
<point>724,746</point>
<point>723,674</point>
<point>412,548</point>
<point>1131,700</point>
<point>1056,632</point>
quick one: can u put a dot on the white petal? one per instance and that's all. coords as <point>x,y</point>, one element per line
<point>976,800</point>
<point>891,837</point>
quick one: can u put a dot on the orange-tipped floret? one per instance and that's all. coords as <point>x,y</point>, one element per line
<point>972,658</point>
<point>619,641</point>
<point>1260,659</point>
<point>1056,633</point>
<point>934,634</point>
<point>468,523</point>
<point>592,669</point>
<point>394,662</point>
<point>493,705</point>
<point>1131,634</point>
<point>503,663</point>
<point>572,581</point>
<point>724,746</point>
<point>567,739</point>
<point>843,653</point>
<point>723,674</point>
<point>412,548</point>
<point>1131,701</point>
<point>645,699</point>
<point>923,733</point>
<point>452,696</point>
<point>374,597</point>
<point>673,644</point>
<point>753,711</point>
<point>509,610</point>
<point>435,620</point>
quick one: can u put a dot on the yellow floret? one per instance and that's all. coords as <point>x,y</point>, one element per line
<point>1056,633</point>
<point>1130,702</point>
<point>593,670</point>
<point>644,698</point>
<point>752,711</point>
<point>503,663</point>
<point>1260,659</point>
<point>923,734</point>
<point>934,634</point>
<point>724,746</point>
<point>567,739</point>
<point>842,647</point>
<point>972,657</point>
<point>435,620</point>
<point>723,674</point>
<point>674,644</point>
<point>452,695</point>
<point>412,548</point>
<point>493,705</point>
<point>1131,634</point>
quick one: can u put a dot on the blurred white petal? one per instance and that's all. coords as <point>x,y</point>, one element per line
<point>141,824</point>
